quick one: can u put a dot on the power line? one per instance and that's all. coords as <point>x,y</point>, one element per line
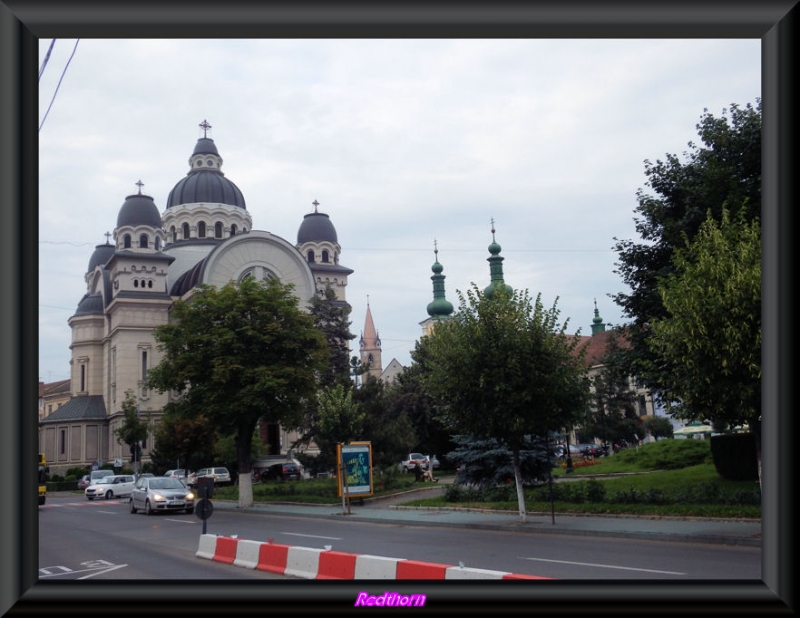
<point>59,83</point>
<point>46,58</point>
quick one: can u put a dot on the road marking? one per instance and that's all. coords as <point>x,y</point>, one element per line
<point>114,568</point>
<point>181,521</point>
<point>108,512</point>
<point>603,566</point>
<point>95,567</point>
<point>314,536</point>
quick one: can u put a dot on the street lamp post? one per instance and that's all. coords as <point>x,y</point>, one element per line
<point>570,469</point>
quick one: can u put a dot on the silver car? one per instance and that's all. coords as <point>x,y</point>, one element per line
<point>112,486</point>
<point>159,493</point>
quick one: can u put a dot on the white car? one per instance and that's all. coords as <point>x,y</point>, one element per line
<point>407,465</point>
<point>108,487</point>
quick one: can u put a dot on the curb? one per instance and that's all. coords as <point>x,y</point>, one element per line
<point>313,563</point>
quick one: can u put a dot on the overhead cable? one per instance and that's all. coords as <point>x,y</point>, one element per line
<point>59,84</point>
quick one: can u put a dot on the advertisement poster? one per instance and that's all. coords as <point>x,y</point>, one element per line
<point>357,460</point>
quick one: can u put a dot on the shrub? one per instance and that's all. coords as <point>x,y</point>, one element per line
<point>734,456</point>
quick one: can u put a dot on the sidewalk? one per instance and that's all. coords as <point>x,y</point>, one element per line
<point>389,510</point>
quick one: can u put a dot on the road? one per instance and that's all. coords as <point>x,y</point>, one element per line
<point>103,540</point>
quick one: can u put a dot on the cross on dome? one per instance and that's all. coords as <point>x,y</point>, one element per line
<point>139,184</point>
<point>316,203</point>
<point>205,126</point>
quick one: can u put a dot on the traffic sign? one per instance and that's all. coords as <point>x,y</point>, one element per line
<point>204,509</point>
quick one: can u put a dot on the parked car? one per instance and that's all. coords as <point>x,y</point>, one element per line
<point>111,486</point>
<point>84,482</point>
<point>179,474</point>
<point>407,465</point>
<point>590,449</point>
<point>161,493</point>
<point>434,461</point>
<point>95,475</point>
<point>220,475</point>
<point>282,471</point>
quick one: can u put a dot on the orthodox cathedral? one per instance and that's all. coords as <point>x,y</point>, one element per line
<point>204,235</point>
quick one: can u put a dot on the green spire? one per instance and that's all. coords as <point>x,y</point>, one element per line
<point>439,307</point>
<point>597,322</point>
<point>496,269</point>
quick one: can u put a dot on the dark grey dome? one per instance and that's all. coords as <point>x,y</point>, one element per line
<point>205,145</point>
<point>101,255</point>
<point>139,210</point>
<point>205,185</point>
<point>90,305</point>
<point>316,227</point>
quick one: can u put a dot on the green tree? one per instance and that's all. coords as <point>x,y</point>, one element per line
<point>502,368</point>
<point>186,442</point>
<point>332,317</point>
<point>239,354</point>
<point>711,335</point>
<point>389,431</point>
<point>723,172</point>
<point>133,430</point>
<point>658,426</point>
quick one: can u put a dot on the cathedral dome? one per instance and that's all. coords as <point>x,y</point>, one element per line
<point>139,210</point>
<point>205,182</point>
<point>316,227</point>
<point>90,305</point>
<point>101,255</point>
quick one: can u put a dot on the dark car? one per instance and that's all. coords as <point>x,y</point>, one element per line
<point>283,471</point>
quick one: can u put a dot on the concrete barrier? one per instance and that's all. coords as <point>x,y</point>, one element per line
<point>314,563</point>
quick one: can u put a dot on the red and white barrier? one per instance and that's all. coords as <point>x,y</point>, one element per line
<point>314,563</point>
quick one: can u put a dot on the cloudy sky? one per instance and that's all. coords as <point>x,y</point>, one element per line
<point>402,142</point>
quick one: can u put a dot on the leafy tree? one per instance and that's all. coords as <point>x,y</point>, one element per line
<point>237,355</point>
<point>502,368</point>
<point>187,442</point>
<point>332,317</point>
<point>722,173</point>
<point>389,431</point>
<point>133,430</point>
<point>658,426</point>
<point>711,335</point>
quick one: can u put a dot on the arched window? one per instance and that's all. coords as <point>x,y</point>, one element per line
<point>126,241</point>
<point>325,257</point>
<point>310,257</point>
<point>218,230</point>
<point>136,283</point>
<point>233,229</point>
<point>201,229</point>
<point>143,241</point>
<point>174,233</point>
<point>158,243</point>
<point>185,231</point>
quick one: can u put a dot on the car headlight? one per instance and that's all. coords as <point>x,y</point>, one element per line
<point>158,497</point>
<point>190,496</point>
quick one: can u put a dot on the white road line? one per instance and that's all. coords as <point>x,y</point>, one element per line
<point>181,521</point>
<point>314,536</point>
<point>603,566</point>
<point>114,568</point>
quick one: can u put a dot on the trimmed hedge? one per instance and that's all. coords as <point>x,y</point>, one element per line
<point>734,456</point>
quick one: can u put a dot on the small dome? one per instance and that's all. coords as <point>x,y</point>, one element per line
<point>90,305</point>
<point>316,227</point>
<point>101,255</point>
<point>139,210</point>
<point>205,145</point>
<point>440,306</point>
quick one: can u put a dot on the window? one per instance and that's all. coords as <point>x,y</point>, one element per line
<point>185,231</point>
<point>233,229</point>
<point>325,257</point>
<point>63,441</point>
<point>136,283</point>
<point>143,241</point>
<point>310,257</point>
<point>144,364</point>
<point>201,229</point>
<point>218,230</point>
<point>158,243</point>
<point>83,377</point>
<point>126,241</point>
<point>174,233</point>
